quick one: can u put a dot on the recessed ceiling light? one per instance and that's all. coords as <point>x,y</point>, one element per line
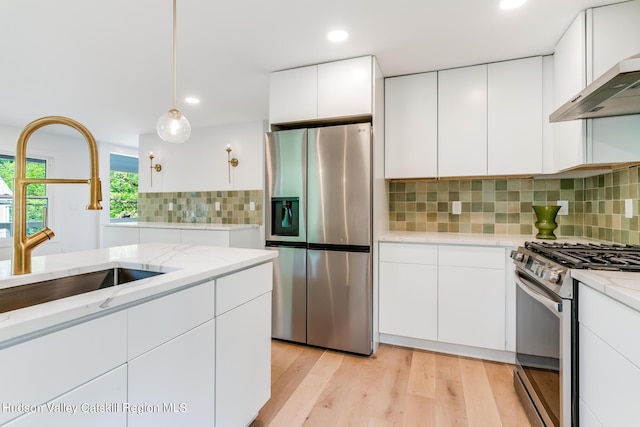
<point>511,4</point>
<point>192,100</point>
<point>337,36</point>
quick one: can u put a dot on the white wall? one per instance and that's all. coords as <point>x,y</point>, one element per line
<point>200,164</point>
<point>67,157</point>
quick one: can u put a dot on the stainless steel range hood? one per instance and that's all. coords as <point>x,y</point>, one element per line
<point>615,93</point>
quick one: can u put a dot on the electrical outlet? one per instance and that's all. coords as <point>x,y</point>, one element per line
<point>564,207</point>
<point>217,206</point>
<point>628,208</point>
<point>456,207</point>
<point>252,206</point>
<point>170,206</point>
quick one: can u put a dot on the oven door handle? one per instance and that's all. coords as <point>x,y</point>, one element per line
<point>551,305</point>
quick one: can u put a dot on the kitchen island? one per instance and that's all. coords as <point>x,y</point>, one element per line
<point>189,346</point>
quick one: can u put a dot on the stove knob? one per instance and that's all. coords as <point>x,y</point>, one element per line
<point>519,256</point>
<point>555,276</point>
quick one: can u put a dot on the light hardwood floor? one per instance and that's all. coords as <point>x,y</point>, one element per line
<point>395,387</point>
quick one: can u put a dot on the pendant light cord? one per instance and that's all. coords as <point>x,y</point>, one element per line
<point>175,38</point>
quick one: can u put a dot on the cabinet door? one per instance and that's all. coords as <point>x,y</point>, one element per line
<point>159,235</point>
<point>409,300</point>
<point>411,126</point>
<point>345,88</point>
<point>569,78</point>
<point>293,95</point>
<point>243,362</point>
<point>615,34</point>
<point>177,378</point>
<point>462,121</point>
<point>119,236</point>
<point>97,403</point>
<point>471,306</point>
<point>515,108</point>
<point>205,237</point>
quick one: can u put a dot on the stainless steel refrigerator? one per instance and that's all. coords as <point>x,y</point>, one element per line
<point>318,217</point>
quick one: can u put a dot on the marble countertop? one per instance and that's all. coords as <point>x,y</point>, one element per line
<point>619,285</point>
<point>182,265</point>
<point>507,240</point>
<point>182,225</point>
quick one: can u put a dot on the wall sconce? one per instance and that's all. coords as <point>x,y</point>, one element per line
<point>231,161</point>
<point>157,166</point>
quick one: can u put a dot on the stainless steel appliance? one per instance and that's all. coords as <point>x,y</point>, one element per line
<point>546,373</point>
<point>318,217</point>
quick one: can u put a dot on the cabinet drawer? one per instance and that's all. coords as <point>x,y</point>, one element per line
<point>238,288</point>
<point>409,253</point>
<point>613,322</point>
<point>48,366</point>
<point>205,237</point>
<point>472,256</point>
<point>156,322</point>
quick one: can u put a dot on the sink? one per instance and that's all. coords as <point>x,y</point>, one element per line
<point>30,294</point>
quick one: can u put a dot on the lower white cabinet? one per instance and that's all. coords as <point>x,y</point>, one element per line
<point>173,384</point>
<point>409,291</point>
<point>609,361</point>
<point>97,403</point>
<point>452,294</point>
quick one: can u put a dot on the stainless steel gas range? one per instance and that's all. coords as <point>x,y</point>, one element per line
<point>546,373</point>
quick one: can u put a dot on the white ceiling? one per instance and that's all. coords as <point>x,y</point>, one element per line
<point>107,63</point>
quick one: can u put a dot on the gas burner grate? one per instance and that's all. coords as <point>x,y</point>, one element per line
<point>590,256</point>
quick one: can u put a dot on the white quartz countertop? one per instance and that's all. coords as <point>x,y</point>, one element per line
<point>182,225</point>
<point>507,240</point>
<point>619,285</point>
<point>183,265</point>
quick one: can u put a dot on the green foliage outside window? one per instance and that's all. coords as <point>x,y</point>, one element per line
<point>124,194</point>
<point>36,193</point>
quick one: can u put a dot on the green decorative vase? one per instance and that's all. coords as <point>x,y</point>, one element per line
<point>546,221</point>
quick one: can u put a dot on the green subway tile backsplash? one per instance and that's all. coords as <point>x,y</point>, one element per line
<point>199,207</point>
<point>503,206</point>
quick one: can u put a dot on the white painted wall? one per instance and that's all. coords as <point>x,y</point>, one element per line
<point>200,164</point>
<point>68,157</point>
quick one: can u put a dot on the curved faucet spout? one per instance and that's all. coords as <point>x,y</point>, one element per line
<point>23,246</point>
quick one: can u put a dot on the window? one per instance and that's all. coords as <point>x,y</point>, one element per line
<point>36,194</point>
<point>123,184</point>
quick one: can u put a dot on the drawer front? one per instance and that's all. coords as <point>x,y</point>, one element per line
<point>612,321</point>
<point>238,288</point>
<point>48,366</point>
<point>472,256</point>
<point>409,253</point>
<point>158,321</point>
<point>205,237</point>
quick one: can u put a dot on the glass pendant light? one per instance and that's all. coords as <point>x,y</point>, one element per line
<point>173,126</point>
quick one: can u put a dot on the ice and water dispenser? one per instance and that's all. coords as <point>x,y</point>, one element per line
<point>285,216</point>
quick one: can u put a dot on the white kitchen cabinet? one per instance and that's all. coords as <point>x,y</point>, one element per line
<point>120,236</point>
<point>177,380</point>
<point>293,95</point>
<point>411,126</point>
<point>159,235</point>
<point>609,359</point>
<point>615,35</point>
<point>97,403</point>
<point>331,90</point>
<point>408,290</point>
<point>471,296</point>
<point>514,117</point>
<point>345,88</point>
<point>462,121</point>
<point>243,345</point>
<point>238,238</point>
<point>44,367</point>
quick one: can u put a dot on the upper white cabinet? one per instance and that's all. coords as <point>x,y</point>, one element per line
<point>595,41</point>
<point>514,117</point>
<point>324,91</point>
<point>293,95</point>
<point>411,126</point>
<point>462,121</point>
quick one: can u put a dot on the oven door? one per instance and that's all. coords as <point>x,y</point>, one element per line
<point>544,350</point>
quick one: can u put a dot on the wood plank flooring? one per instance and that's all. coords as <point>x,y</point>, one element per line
<point>395,387</point>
